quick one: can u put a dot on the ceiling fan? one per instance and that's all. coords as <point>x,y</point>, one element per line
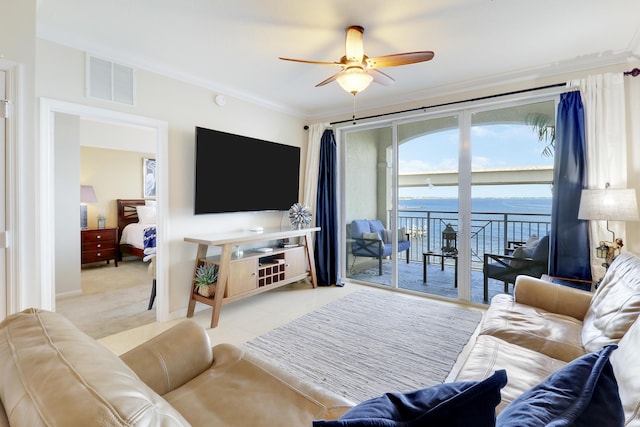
<point>358,70</point>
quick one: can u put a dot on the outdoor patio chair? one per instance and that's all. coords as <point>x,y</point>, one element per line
<point>371,239</point>
<point>531,261</point>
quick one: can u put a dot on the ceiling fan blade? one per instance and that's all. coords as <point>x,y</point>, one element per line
<point>328,79</point>
<point>311,62</point>
<point>399,59</point>
<point>354,49</point>
<point>382,78</point>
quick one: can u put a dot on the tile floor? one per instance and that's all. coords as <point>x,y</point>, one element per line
<point>241,321</point>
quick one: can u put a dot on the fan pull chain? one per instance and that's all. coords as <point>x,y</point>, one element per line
<point>354,108</point>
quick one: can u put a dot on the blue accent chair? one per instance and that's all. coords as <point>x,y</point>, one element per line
<point>532,261</point>
<point>371,239</point>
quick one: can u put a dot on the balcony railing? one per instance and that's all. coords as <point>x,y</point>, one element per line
<point>491,232</point>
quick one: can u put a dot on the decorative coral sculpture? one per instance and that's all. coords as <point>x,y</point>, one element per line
<point>299,215</point>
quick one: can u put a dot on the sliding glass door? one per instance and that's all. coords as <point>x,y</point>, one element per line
<point>423,199</point>
<point>512,149</point>
<point>367,159</point>
<point>427,207</point>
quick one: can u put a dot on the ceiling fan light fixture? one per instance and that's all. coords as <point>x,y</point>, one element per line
<point>358,69</point>
<point>354,80</point>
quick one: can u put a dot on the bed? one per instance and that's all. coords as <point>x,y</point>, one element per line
<point>131,228</point>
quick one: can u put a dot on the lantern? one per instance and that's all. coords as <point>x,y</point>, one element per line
<point>449,240</point>
<point>602,251</point>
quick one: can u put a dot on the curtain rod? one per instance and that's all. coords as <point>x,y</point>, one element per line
<point>635,72</point>
<point>481,98</point>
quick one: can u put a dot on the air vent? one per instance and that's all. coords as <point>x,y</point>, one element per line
<point>110,81</point>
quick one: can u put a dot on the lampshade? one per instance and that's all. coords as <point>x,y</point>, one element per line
<point>87,195</point>
<point>609,204</point>
<point>354,80</point>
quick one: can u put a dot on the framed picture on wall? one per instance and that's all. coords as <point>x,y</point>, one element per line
<point>149,178</point>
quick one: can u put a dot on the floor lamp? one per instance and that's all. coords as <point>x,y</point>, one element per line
<point>609,204</point>
<point>87,195</point>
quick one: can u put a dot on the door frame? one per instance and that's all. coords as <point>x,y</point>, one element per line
<point>48,108</point>
<point>9,285</point>
<point>464,111</point>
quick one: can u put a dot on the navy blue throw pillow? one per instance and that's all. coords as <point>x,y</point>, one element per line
<point>445,405</point>
<point>582,394</point>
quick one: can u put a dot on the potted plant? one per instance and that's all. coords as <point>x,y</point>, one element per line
<point>205,279</point>
<point>101,220</point>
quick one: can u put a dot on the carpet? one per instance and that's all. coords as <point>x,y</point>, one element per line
<point>371,342</point>
<point>113,300</point>
<point>107,313</point>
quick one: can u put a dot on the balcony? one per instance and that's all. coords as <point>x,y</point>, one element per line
<point>491,232</point>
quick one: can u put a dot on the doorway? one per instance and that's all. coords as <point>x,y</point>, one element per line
<point>457,185</point>
<point>48,111</point>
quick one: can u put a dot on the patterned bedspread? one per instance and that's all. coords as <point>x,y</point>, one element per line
<point>149,243</point>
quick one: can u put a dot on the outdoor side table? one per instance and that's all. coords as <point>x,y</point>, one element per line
<point>442,255</point>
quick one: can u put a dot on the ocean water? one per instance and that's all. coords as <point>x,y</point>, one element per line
<point>525,217</point>
<point>516,205</point>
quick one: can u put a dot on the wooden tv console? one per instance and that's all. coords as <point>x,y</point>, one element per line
<point>254,272</point>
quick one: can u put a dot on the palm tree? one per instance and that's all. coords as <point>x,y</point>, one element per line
<point>544,126</point>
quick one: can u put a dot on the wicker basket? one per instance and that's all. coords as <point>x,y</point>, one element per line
<point>207,290</point>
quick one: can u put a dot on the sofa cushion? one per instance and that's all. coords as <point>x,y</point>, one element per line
<point>541,251</point>
<point>552,297</point>
<point>359,226</point>
<point>241,389</point>
<point>371,236</point>
<point>376,226</point>
<point>450,404</point>
<point>521,252</point>
<point>54,374</point>
<point>388,235</point>
<point>615,304</point>
<point>583,393</point>
<point>525,368</point>
<point>556,335</point>
<point>626,367</point>
<point>162,362</point>
<point>532,241</point>
<point>4,422</point>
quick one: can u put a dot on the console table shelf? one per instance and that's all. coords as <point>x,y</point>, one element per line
<point>254,272</point>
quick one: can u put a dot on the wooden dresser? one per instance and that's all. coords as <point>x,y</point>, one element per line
<point>99,244</point>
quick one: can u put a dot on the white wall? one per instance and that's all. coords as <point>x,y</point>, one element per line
<point>60,75</point>
<point>114,174</point>
<point>67,204</point>
<point>18,55</point>
<point>361,187</point>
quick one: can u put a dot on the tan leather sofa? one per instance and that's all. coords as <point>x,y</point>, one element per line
<point>543,326</point>
<point>53,374</point>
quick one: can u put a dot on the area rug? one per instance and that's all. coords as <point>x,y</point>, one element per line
<point>372,342</point>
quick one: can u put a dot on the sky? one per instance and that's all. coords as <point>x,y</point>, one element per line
<point>492,146</point>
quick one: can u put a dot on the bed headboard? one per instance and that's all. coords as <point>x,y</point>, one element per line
<point>127,212</point>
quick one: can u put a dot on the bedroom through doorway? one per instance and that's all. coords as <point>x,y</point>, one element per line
<point>100,297</point>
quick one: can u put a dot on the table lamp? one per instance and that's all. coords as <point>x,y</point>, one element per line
<point>87,195</point>
<point>609,204</point>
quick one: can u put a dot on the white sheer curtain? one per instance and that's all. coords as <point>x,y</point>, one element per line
<point>603,97</point>
<point>310,190</point>
<point>632,90</point>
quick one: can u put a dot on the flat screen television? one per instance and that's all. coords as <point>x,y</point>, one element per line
<point>236,173</point>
